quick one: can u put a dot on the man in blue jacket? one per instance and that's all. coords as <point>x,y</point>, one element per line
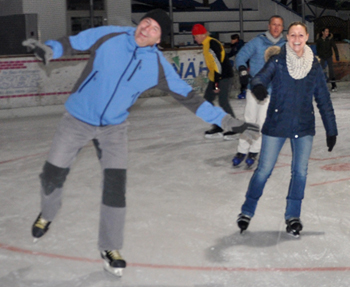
<point>124,62</point>
<point>255,110</point>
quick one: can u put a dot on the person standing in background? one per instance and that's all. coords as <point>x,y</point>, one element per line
<point>220,77</point>
<point>324,46</point>
<point>255,110</point>
<point>236,45</point>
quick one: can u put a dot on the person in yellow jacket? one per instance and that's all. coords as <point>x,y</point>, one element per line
<point>220,76</point>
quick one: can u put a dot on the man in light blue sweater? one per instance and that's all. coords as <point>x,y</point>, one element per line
<point>124,62</point>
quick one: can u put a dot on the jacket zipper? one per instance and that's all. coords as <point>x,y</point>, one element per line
<point>83,86</point>
<point>116,87</point>
<point>138,64</point>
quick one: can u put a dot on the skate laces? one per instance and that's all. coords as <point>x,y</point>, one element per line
<point>114,254</point>
<point>41,223</point>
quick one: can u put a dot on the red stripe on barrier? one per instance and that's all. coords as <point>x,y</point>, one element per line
<point>34,95</point>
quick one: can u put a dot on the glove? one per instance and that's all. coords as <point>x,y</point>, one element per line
<point>248,131</point>
<point>216,87</point>
<point>260,92</point>
<point>41,51</point>
<point>337,58</point>
<point>251,132</point>
<point>331,140</point>
<point>243,76</point>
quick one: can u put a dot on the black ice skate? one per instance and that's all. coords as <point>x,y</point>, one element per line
<point>294,226</point>
<point>243,221</point>
<point>229,136</point>
<point>113,262</point>
<point>214,133</point>
<point>40,227</point>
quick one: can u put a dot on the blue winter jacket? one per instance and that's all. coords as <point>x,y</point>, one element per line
<point>291,111</point>
<point>118,72</point>
<point>253,52</point>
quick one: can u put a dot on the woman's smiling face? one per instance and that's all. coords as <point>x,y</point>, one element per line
<point>297,37</point>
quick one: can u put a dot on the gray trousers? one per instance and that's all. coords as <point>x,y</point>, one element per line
<point>225,86</point>
<point>111,145</point>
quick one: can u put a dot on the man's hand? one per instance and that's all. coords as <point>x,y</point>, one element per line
<point>41,51</point>
<point>260,92</point>
<point>243,76</point>
<point>249,131</point>
<point>216,88</point>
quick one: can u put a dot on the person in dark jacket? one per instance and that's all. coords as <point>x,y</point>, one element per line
<point>220,77</point>
<point>236,45</point>
<point>325,46</point>
<point>124,62</point>
<point>296,79</point>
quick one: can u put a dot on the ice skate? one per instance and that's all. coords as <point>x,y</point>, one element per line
<point>40,227</point>
<point>251,158</point>
<point>238,158</point>
<point>242,95</point>
<point>229,136</point>
<point>215,133</point>
<point>113,262</point>
<point>243,222</point>
<point>294,226</point>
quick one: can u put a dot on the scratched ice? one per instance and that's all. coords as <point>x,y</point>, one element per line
<point>183,198</point>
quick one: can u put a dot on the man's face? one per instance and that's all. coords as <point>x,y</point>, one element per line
<point>325,33</point>
<point>199,38</point>
<point>148,33</point>
<point>234,41</point>
<point>276,27</point>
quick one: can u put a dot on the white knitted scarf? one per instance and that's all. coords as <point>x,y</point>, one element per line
<point>299,67</point>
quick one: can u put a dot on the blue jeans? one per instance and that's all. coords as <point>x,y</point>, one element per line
<point>270,149</point>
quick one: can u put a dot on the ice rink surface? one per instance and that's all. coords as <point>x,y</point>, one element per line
<point>183,198</point>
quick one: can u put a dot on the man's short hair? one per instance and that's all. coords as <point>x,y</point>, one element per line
<point>275,16</point>
<point>234,37</point>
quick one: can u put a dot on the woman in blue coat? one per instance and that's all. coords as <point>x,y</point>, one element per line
<point>296,78</point>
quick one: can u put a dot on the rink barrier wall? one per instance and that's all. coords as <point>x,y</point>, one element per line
<point>26,83</point>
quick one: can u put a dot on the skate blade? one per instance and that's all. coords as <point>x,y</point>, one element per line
<point>35,240</point>
<point>230,138</point>
<point>250,167</point>
<point>294,234</point>
<point>114,271</point>
<point>214,136</point>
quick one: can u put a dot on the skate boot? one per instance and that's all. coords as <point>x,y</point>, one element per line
<point>238,158</point>
<point>214,133</point>
<point>242,95</point>
<point>251,158</point>
<point>334,86</point>
<point>294,226</point>
<point>113,262</point>
<point>40,227</point>
<point>243,222</point>
<point>229,136</point>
